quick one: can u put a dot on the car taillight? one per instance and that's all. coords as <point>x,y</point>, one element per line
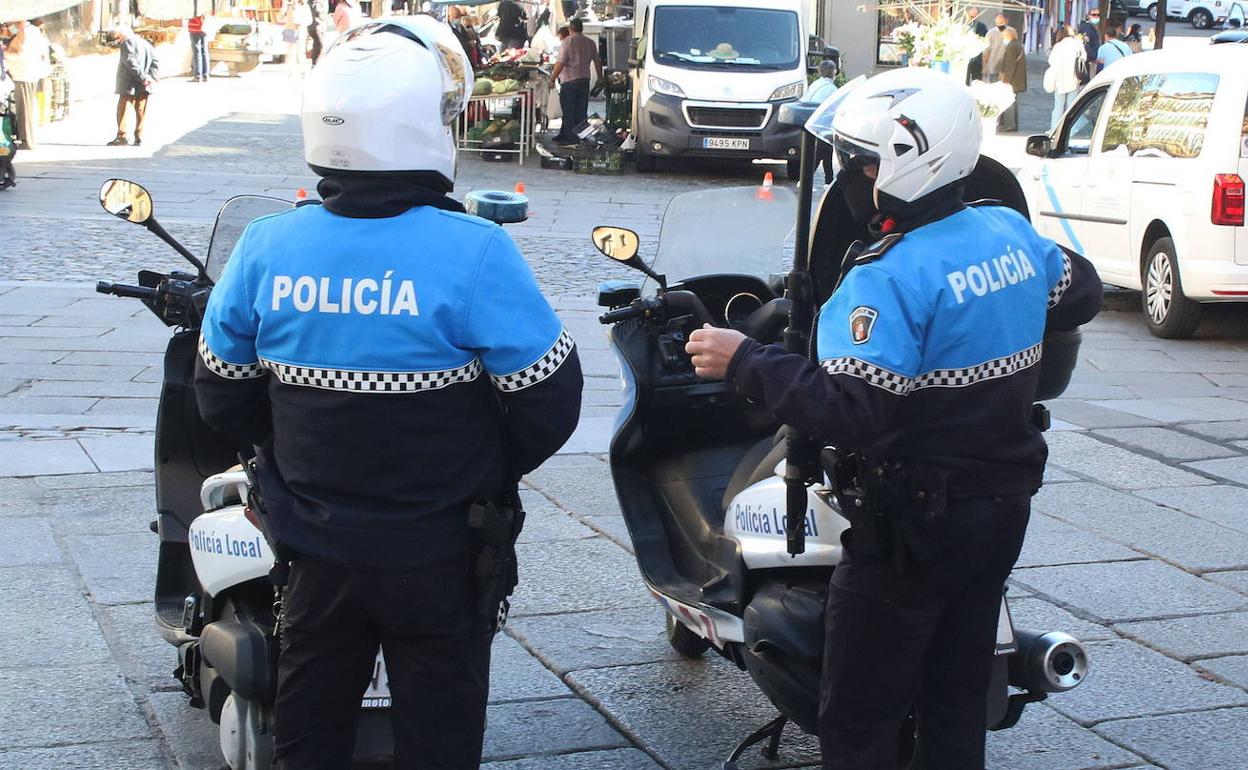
<point>1228,200</point>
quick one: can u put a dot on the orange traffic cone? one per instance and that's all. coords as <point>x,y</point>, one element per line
<point>520,188</point>
<point>301,194</point>
<point>764,190</point>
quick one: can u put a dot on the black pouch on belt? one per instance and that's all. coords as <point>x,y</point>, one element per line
<point>913,497</point>
<point>495,526</point>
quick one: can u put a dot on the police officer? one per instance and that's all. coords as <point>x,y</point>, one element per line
<point>394,361</point>
<point>929,358</point>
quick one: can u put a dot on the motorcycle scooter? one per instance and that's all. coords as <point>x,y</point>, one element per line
<point>734,523</point>
<point>215,601</point>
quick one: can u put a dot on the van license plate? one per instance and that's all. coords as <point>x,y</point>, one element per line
<point>725,143</point>
<point>377,696</point>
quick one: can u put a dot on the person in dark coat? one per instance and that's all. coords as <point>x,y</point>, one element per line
<point>1013,72</point>
<point>511,30</point>
<point>136,74</point>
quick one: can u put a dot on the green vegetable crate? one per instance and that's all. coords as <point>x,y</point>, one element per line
<point>597,161</point>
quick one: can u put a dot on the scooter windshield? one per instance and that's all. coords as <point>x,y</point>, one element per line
<point>739,230</point>
<point>232,219</point>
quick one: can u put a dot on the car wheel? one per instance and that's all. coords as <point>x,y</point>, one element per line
<point>1168,312</point>
<point>1201,19</point>
<point>684,641</point>
<point>1152,12</point>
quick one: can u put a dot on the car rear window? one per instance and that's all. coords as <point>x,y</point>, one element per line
<point>1161,115</point>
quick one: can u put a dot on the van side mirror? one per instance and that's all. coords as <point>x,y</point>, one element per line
<point>1040,145</point>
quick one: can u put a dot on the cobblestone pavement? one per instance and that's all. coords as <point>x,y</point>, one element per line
<point>1138,543</point>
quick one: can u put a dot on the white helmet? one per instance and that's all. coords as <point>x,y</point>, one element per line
<point>384,98</point>
<point>920,126</point>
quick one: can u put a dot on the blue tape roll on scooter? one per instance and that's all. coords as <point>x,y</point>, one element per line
<point>497,206</point>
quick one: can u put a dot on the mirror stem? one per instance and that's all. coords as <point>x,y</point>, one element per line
<point>161,233</point>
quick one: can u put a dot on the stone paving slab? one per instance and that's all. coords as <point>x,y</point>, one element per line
<point>1237,579</point>
<point>1225,505</point>
<point>618,759</point>
<point>121,452</point>
<point>546,727</point>
<point>515,675</point>
<point>45,621</point>
<point>1190,638</point>
<point>1051,542</point>
<point>575,576</point>
<point>130,754</point>
<point>587,494</point>
<point>1227,430</point>
<point>1126,680</point>
<point>1165,444</point>
<point>1232,468</point>
<point>1129,590</point>
<point>666,705</point>
<point>84,704</point>
<point>1233,669</point>
<point>1173,410</point>
<point>30,458</point>
<point>1037,614</point>
<point>27,541</point>
<point>1046,740</point>
<point>1213,740</point>
<point>1113,466</point>
<point>118,569</point>
<point>24,404</point>
<point>143,656</point>
<point>189,733</point>
<point>574,641</point>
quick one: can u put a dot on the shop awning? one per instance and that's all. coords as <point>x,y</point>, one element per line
<point>164,10</point>
<point>16,10</point>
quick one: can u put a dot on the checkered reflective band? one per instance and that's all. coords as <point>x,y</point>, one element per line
<point>870,373</point>
<point>543,368</point>
<point>989,370</point>
<point>226,369</point>
<point>372,382</point>
<point>1063,283</point>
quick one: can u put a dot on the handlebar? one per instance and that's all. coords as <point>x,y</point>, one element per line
<point>676,303</point>
<point>124,290</point>
<point>622,314</point>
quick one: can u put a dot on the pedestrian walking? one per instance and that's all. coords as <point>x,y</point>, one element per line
<point>995,49</point>
<point>512,32</point>
<point>298,18</point>
<point>1067,61</point>
<point>318,30</point>
<point>1112,49</point>
<point>29,62</point>
<point>576,55</point>
<point>200,65</point>
<point>441,376</point>
<point>136,76</point>
<point>1014,74</point>
<point>925,389</point>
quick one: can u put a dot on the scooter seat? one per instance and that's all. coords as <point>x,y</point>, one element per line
<point>758,464</point>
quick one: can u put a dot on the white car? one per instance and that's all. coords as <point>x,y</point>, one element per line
<point>1202,14</point>
<point>1145,175</point>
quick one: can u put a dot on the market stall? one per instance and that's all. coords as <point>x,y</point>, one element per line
<point>507,106</point>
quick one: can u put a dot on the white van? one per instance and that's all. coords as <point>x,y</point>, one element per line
<point>710,75</point>
<point>1145,175</point>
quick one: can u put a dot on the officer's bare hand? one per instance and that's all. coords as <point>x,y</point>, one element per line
<point>712,349</point>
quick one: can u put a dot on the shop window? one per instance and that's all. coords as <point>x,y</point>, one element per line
<point>1161,115</point>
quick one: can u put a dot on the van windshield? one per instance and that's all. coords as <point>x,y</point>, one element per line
<point>722,37</point>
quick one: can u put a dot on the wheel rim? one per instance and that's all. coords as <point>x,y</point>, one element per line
<point>1152,12</point>
<point>1202,20</point>
<point>1159,288</point>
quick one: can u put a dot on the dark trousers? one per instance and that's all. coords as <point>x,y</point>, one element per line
<point>199,55</point>
<point>1009,118</point>
<point>437,653</point>
<point>574,102</point>
<point>923,639</point>
<point>314,34</point>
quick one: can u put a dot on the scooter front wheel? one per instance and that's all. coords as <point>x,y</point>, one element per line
<point>684,641</point>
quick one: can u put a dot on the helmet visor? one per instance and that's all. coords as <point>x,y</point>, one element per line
<point>848,155</point>
<point>820,123</point>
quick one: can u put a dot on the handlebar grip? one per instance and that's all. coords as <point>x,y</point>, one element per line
<point>622,314</point>
<point>122,290</point>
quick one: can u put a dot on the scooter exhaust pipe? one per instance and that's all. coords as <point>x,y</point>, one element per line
<point>1050,661</point>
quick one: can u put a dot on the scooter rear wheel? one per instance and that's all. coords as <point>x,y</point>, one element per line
<point>684,641</point>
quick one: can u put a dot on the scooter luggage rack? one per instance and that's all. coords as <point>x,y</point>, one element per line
<point>770,732</point>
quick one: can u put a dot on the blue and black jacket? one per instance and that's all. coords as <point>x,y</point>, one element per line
<point>930,352</point>
<point>391,369</point>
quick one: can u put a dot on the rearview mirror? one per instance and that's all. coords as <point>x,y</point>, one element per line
<point>126,200</point>
<point>621,244</point>
<point>1040,145</point>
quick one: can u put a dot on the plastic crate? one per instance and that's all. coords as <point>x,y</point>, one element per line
<point>598,162</point>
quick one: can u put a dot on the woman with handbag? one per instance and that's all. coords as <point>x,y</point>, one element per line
<point>295,35</point>
<point>1066,61</point>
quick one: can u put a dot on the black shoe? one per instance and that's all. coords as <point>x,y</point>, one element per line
<point>137,141</point>
<point>120,141</point>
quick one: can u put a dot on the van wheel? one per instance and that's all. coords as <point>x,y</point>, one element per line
<point>1152,12</point>
<point>1201,19</point>
<point>684,641</point>
<point>1169,313</point>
